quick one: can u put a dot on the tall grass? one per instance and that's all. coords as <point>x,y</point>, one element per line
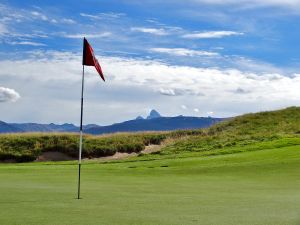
<point>239,131</point>
<point>27,147</point>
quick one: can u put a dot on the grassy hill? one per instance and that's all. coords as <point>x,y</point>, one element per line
<point>256,131</point>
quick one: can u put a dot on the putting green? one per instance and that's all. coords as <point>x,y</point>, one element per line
<point>249,188</point>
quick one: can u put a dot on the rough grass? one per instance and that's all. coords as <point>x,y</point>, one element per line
<point>248,129</point>
<point>241,131</point>
<point>27,147</point>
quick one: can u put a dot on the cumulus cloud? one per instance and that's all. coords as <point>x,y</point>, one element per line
<point>8,95</point>
<point>183,52</point>
<point>196,110</point>
<point>211,34</point>
<point>136,84</point>
<point>155,31</point>
<point>168,79</point>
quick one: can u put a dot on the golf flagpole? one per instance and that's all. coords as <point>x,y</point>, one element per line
<point>88,59</point>
<point>81,133</point>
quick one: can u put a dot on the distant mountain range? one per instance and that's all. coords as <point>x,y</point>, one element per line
<point>153,122</point>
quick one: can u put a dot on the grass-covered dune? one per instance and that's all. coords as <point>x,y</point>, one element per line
<point>255,130</point>
<point>281,128</point>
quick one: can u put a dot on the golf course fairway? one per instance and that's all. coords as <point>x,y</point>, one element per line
<point>249,188</point>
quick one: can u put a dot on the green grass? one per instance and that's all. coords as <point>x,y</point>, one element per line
<point>243,171</point>
<point>240,131</point>
<point>173,153</point>
<point>246,188</point>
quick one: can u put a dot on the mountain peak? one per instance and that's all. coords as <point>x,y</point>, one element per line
<point>153,114</point>
<point>139,118</point>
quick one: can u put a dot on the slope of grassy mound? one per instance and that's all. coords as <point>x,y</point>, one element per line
<point>282,126</point>
<point>285,121</point>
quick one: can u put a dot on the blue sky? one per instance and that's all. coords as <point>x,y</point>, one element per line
<point>197,58</point>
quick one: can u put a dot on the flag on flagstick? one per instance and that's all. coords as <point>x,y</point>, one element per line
<point>88,59</point>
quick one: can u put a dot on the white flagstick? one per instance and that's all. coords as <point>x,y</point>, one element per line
<point>80,141</point>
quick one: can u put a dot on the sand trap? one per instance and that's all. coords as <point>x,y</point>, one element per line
<point>151,148</point>
<point>119,155</point>
<point>59,156</point>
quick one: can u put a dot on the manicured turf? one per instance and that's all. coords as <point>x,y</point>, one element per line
<point>248,188</point>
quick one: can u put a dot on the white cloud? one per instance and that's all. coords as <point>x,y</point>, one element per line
<point>24,36</point>
<point>95,35</point>
<point>211,34</point>
<point>101,16</point>
<point>8,95</point>
<point>180,91</point>
<point>252,3</point>
<point>210,113</point>
<point>25,15</point>
<point>183,107</point>
<point>40,15</point>
<point>31,43</point>
<point>169,92</point>
<point>90,16</point>
<point>114,15</point>
<point>183,52</point>
<point>133,85</point>
<point>3,29</point>
<point>196,110</point>
<point>155,31</point>
<point>68,21</point>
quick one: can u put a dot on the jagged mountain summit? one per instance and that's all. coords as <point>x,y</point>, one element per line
<point>153,114</point>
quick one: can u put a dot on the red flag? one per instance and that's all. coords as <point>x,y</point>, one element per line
<point>89,59</point>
